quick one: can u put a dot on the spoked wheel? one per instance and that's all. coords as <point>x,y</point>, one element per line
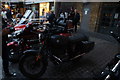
<point>32,66</point>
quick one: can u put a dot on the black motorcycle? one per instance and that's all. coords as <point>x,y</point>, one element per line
<point>112,70</point>
<point>58,47</point>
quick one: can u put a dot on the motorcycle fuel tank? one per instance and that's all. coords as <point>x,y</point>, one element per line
<point>58,41</point>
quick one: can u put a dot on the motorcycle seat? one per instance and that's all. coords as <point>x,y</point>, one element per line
<point>77,38</point>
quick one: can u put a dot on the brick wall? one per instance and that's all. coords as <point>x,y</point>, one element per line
<point>65,6</point>
<point>94,16</point>
<point>79,7</point>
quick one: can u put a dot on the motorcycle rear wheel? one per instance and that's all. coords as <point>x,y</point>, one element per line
<point>31,68</point>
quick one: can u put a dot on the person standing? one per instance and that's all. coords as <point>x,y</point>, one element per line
<point>71,14</point>
<point>19,15</point>
<point>51,18</point>
<point>76,19</point>
<point>5,51</point>
<point>9,15</point>
<point>36,14</point>
<point>70,19</point>
<point>3,13</point>
<point>62,15</point>
<point>43,12</point>
<point>66,15</point>
<point>47,14</point>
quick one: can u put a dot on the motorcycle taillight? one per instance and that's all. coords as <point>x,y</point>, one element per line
<point>65,34</point>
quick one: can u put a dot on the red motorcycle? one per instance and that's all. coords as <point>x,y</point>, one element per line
<point>22,40</point>
<point>56,45</point>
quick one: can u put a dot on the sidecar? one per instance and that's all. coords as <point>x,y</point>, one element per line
<point>82,43</point>
<point>59,44</point>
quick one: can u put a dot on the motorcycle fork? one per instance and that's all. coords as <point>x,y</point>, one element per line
<point>39,54</point>
<point>38,57</point>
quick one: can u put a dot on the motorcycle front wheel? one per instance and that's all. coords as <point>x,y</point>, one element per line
<point>32,67</point>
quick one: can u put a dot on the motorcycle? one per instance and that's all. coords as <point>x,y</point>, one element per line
<point>112,70</point>
<point>57,46</point>
<point>22,40</point>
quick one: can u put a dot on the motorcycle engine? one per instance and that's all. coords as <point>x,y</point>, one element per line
<point>58,44</point>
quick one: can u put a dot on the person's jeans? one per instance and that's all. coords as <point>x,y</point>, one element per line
<point>5,57</point>
<point>75,25</point>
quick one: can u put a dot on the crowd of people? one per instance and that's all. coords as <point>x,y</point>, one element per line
<point>6,14</point>
<point>73,15</point>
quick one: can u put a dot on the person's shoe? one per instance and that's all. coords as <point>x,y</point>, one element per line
<point>10,74</point>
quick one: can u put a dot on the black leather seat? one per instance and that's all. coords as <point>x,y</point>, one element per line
<point>77,38</point>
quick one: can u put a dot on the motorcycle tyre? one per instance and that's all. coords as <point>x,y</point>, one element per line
<point>36,76</point>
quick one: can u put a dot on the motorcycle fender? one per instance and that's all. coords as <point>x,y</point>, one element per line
<point>30,52</point>
<point>34,52</point>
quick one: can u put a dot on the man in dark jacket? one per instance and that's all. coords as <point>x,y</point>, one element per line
<point>71,14</point>
<point>51,18</point>
<point>9,15</point>
<point>76,19</point>
<point>5,51</point>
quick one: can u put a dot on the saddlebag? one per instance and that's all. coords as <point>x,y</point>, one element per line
<point>58,41</point>
<point>87,46</point>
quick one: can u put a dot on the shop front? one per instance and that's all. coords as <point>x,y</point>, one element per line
<point>109,18</point>
<point>15,7</point>
<point>45,7</point>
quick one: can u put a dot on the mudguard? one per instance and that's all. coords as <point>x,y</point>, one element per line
<point>31,51</point>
